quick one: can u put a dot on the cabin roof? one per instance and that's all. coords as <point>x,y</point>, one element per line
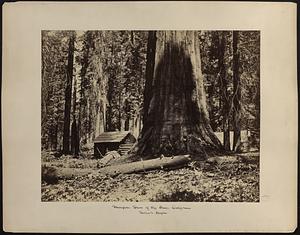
<point>112,136</point>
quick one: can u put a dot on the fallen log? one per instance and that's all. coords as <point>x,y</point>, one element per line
<point>52,174</point>
<point>157,163</point>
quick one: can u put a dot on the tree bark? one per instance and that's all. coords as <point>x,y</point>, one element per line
<point>127,123</point>
<point>74,127</point>
<point>83,83</point>
<point>127,115</point>
<point>151,48</point>
<point>120,124</point>
<point>224,93</point>
<point>175,115</point>
<point>236,94</point>
<point>98,120</point>
<point>109,109</point>
<point>104,116</point>
<point>74,139</point>
<point>53,173</point>
<point>55,143</point>
<point>68,96</point>
<point>45,85</point>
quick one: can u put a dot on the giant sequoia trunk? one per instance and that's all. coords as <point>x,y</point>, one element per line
<point>151,50</point>
<point>175,115</point>
<point>68,96</point>
<point>236,95</point>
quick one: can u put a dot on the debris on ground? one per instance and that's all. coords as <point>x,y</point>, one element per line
<point>231,180</point>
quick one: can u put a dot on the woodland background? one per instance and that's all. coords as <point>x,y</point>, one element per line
<point>146,82</point>
<point>93,81</point>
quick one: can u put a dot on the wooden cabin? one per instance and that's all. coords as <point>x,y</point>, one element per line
<point>120,141</point>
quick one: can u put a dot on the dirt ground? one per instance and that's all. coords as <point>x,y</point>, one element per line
<point>233,178</point>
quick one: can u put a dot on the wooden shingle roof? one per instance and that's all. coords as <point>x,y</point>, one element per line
<point>113,136</point>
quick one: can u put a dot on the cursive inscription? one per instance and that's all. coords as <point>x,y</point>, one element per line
<point>153,210</point>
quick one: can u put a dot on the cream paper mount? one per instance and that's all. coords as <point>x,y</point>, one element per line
<point>23,210</point>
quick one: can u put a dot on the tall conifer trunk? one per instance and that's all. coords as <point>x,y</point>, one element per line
<point>236,94</point>
<point>74,127</point>
<point>109,109</point>
<point>224,93</point>
<point>175,115</point>
<point>83,93</point>
<point>68,96</point>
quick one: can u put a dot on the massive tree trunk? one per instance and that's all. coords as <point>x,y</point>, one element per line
<point>175,115</point>
<point>236,94</point>
<point>68,96</point>
<point>224,93</point>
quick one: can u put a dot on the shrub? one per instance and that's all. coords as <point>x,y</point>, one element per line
<point>49,175</point>
<point>178,195</point>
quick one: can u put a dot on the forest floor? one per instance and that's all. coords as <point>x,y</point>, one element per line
<point>233,178</point>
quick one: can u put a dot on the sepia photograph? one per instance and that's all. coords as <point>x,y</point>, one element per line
<point>150,116</point>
